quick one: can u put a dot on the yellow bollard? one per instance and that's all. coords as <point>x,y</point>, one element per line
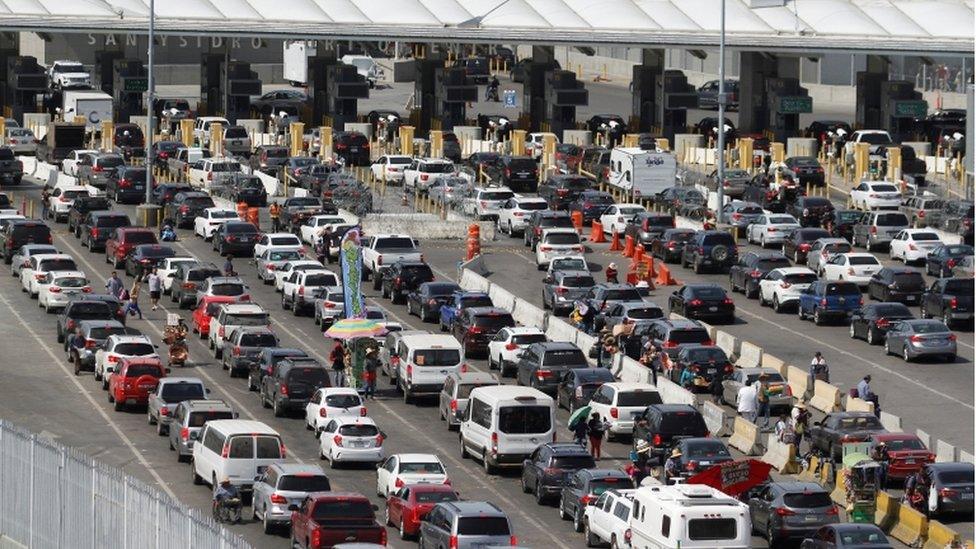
<point>296,138</point>
<point>186,132</point>
<point>663,143</point>
<point>216,139</point>
<point>436,143</point>
<point>745,153</point>
<point>406,140</point>
<point>325,143</point>
<point>518,142</point>
<point>108,128</point>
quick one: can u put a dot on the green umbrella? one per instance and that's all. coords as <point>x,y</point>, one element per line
<point>579,415</point>
<point>850,460</point>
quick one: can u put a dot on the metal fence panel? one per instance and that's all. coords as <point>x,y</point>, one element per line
<point>76,509</point>
<point>45,495</point>
<point>109,507</point>
<point>16,456</point>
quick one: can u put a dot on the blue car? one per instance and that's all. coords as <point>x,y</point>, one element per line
<point>829,300</point>
<point>461,300</point>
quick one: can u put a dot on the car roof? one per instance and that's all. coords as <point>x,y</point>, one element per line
<point>466,378</point>
<point>565,274</point>
<point>630,386</point>
<point>208,403</point>
<point>794,270</point>
<point>480,508</point>
<point>566,448</point>
<point>173,380</point>
<point>243,308</point>
<point>418,458</point>
<point>555,345</point>
<point>796,486</point>
<point>242,426</point>
<point>672,407</point>
<point>523,330</point>
<point>298,469</point>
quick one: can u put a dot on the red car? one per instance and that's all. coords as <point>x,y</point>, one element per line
<point>906,453</point>
<point>209,305</point>
<point>411,503</point>
<point>123,240</point>
<point>135,378</point>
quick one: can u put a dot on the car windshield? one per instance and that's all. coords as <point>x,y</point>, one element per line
<point>770,263</point>
<point>843,289</point>
<point>110,161</point>
<point>112,221</point>
<point>706,450</point>
<point>321,279</point>
<point>157,252</point>
<point>304,483</point>
<point>394,243</point>
<point>140,237</point>
<point>638,398</point>
<point>645,313</point>
<point>57,265</point>
<point>343,401</point>
<point>240,319</point>
<point>925,236</point>
<point>532,206</point>
<point>240,228</point>
<point>904,444</point>
<point>178,392</point>
<point>525,419</point>
<point>956,477</point>
<point>862,260</point>
<point>781,220</point>
<point>446,167</point>
<point>82,311</point>
<point>134,349</point>
<point>858,423</point>
<point>562,238</point>
<point>429,468</point>
<point>622,294</point>
<point>197,419</point>
<point>358,430</point>
<point>276,153</point>
<point>340,508</point>
<point>494,321</point>
<point>287,255</point>
<point>559,222</point>
<point>577,281</point>
<point>483,526</point>
<point>800,278</point>
<point>572,462</point>
<point>139,370</point>
<point>71,282</point>
<point>853,538</point>
<point>464,391</point>
<point>201,274</point>
<point>223,214</point>
<point>711,529</point>
<point>884,188</point>
<point>476,301</point>
<point>960,286</point>
<point>227,289</point>
<point>910,279</point>
<point>932,327</point>
<point>312,375</point>
<point>528,339</point>
<point>708,292</point>
<point>683,423</point>
<point>891,219</point>
<point>892,310</point>
<point>688,336</point>
<point>771,377</point>
<point>104,332</point>
<point>706,354</point>
<point>807,500</point>
<point>438,496</point>
<point>258,340</point>
<point>564,357</point>
<point>437,357</point>
<point>875,138</point>
<point>497,195</point>
<point>568,264</point>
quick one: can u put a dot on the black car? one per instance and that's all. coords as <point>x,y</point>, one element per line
<point>161,151</point>
<point>474,327</point>
<point>80,208</point>
<point>874,319</point>
<point>319,179</point>
<point>541,220</point>
<point>706,361</point>
<point>660,425</point>
<point>804,169</point>
<point>351,147</point>
<point>668,335</point>
<point>267,359</point>
<point>187,206</point>
<point>714,249</point>
<point>901,284</point>
<point>612,125</point>
<point>591,204</point>
<point>164,192</point>
<point>840,223</point>
<point>275,101</point>
<point>669,245</point>
<point>578,385</point>
<point>950,299</point>
<point>518,72</point>
<point>700,453</point>
<point>127,185</point>
<point>297,209</point>
<point>829,434</point>
<point>561,190</point>
<point>268,159</point>
<point>646,227</point>
<point>146,256</point>
<point>235,237</point>
<point>708,94</point>
<point>940,261</point>
<point>404,277</point>
<point>545,471</point>
<point>819,129</point>
<point>810,210</point>
<point>98,226</point>
<point>87,307</point>
<point>702,302</point>
<point>246,188</point>
<point>542,365</point>
<point>751,268</point>
<point>296,166</point>
<point>427,299</point>
<point>584,487</point>
<point>519,173</point>
<point>798,244</point>
<point>709,128</point>
<point>291,383</point>
<point>22,231</point>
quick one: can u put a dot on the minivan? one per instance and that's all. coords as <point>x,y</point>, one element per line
<point>662,424</point>
<point>504,424</point>
<point>466,525</point>
<point>454,396</point>
<point>189,418</point>
<point>423,363</point>
<point>236,449</point>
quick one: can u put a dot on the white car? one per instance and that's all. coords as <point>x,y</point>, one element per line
<point>616,217</point>
<point>277,241</point>
<point>619,402</point>
<point>567,263</point>
<point>206,224</point>
<point>771,228</point>
<point>62,286</point>
<point>557,243</point>
<point>391,167</point>
<point>514,213</point>
<point>38,267</point>
<point>288,268</point>
<point>65,74</point>
<point>608,520</point>
<point>875,195</point>
<point>314,225</point>
<point>825,248</point>
<point>508,343</point>
<point>70,164</point>
<point>422,171</point>
<point>61,200</point>
<point>857,267</point>
<point>298,290</point>
<point>167,268</point>
<point>116,348</point>
<point>351,439</point>
<point>331,402</point>
<point>400,470</point>
<point>782,287</point>
<point>911,245</point>
<point>486,202</point>
<point>27,251</point>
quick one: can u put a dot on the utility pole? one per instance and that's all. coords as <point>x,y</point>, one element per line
<point>150,111</point>
<point>720,153</point>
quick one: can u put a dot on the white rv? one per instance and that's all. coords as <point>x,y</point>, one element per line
<point>690,516</point>
<point>640,172</point>
<point>94,105</point>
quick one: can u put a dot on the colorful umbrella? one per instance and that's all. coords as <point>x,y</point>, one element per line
<point>579,415</point>
<point>354,328</point>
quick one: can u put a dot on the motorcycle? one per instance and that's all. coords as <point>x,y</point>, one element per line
<point>491,94</point>
<point>227,510</point>
<point>175,337</point>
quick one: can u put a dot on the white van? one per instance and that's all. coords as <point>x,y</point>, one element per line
<point>424,362</point>
<point>201,128</point>
<point>503,424</point>
<point>690,516</point>
<point>642,173</point>
<point>237,449</point>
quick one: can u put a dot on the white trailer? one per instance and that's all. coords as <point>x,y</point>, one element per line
<point>642,173</point>
<point>95,106</point>
<point>296,54</point>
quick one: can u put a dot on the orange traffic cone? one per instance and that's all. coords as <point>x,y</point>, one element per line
<point>638,253</point>
<point>651,273</point>
<point>629,246</point>
<point>596,233</point>
<point>664,277</point>
<point>615,242</point>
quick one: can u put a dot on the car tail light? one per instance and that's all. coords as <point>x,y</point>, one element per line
<point>561,290</point>
<point>184,434</point>
<point>882,322</point>
<point>164,411</point>
<point>269,267</point>
<point>409,370</point>
<point>210,176</point>
<point>424,177</point>
<point>953,303</point>
<point>701,251</point>
<point>873,230</point>
<point>86,289</point>
<point>323,412</point>
<point>90,343</point>
<point>362,411</point>
<point>614,413</point>
<point>671,244</point>
<point>695,303</point>
<point>784,512</point>
<point>656,441</point>
<point>912,247</point>
<point>948,493</point>
<point>545,248</point>
<point>54,290</point>
<point>628,534</point>
<point>453,543</point>
<point>736,216</point>
<point>337,440</point>
<point>916,338</point>
<point>543,374</point>
<point>784,284</point>
<point>454,405</point>
<point>39,276</point>
<point>691,466</point>
<point>70,325</point>
<point>952,337</point>
<point>113,359</point>
<point>189,286</point>
<point>464,368</point>
<point>475,330</point>
<point>707,342</point>
<point>670,344</point>
<point>823,302</point>
<point>283,389</point>
<point>236,351</point>
<point>398,483</point>
<point>225,451</point>
<point>511,347</point>
<point>921,213</point>
<point>832,511</point>
<point>97,169</point>
<point>728,301</point>
<point>804,247</point>
<point>278,498</point>
<point>220,332</point>
<point>316,539</point>
<point>494,443</point>
<point>951,263</point>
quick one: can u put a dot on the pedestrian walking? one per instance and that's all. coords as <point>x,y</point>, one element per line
<point>45,201</point>
<point>747,401</point>
<point>580,432</point>
<point>155,283</point>
<point>595,429</point>
<point>337,358</point>
<point>801,422</point>
<point>370,366</point>
<point>229,266</point>
<point>114,285</point>
<point>611,273</point>
<point>133,306</point>
<point>274,210</point>
<point>762,399</point>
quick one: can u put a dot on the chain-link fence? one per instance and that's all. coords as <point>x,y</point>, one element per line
<point>53,497</point>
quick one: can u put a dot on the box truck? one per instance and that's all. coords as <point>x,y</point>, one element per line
<point>640,172</point>
<point>95,106</point>
<point>296,54</point>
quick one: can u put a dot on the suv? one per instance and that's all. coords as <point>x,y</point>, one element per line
<point>98,226</point>
<point>404,277</point>
<point>518,173</point>
<point>283,485</point>
<point>797,245</point>
<point>753,267</point>
<point>127,185</point>
<point>236,237</point>
<point>877,229</point>
<point>542,365</point>
<point>268,159</point>
<point>582,488</point>
<point>186,206</point>
<point>95,169</point>
<point>129,141</point>
<point>546,470</point>
<point>243,347</point>
<point>188,419</point>
<point>561,289</point>
<point>169,393</point>
<point>660,425</point>
<point>559,190</point>
<point>791,510</point>
<point>709,248</point>
<point>80,208</point>
<point>266,361</point>
<point>951,299</point>
<point>230,316</point>
<point>291,384</point>
<point>95,333</point>
<point>902,284</point>
<point>810,210</point>
<point>87,307</point>
<point>823,299</point>
<point>542,220</point>
<point>646,227</point>
<point>466,525</point>
<point>668,335</point>
<point>22,231</point>
<point>187,280</point>
<point>133,382</point>
<point>123,241</point>
<point>476,326</point>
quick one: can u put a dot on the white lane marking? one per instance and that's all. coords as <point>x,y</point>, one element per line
<point>91,399</point>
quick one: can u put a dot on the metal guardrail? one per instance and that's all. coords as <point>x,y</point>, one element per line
<point>52,496</point>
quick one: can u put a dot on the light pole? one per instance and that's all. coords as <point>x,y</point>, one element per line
<point>720,153</point>
<point>149,103</point>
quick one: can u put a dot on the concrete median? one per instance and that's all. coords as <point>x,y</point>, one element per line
<point>891,422</point>
<point>271,183</point>
<point>944,451</point>
<point>940,536</point>
<point>30,164</point>
<point>472,281</point>
<point>770,361</point>
<point>781,456</point>
<point>858,405</point>
<point>528,314</point>
<point>632,371</point>
<point>556,329</point>
<point>745,437</point>
<point>428,225</point>
<point>672,393</point>
<point>816,471</point>
<point>750,355</point>
<point>714,419</point>
<point>585,343</point>
<point>826,397</point>
<point>506,300</point>
<point>839,494</point>
<point>676,316</point>
<point>911,528</point>
<point>886,510</point>
<point>727,342</point>
<point>798,380</point>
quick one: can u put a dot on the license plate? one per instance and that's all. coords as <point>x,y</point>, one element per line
<point>711,370</point>
<point>810,518</point>
<point>909,298</point>
<point>355,444</point>
<point>967,496</point>
<point>354,149</point>
<point>712,309</point>
<point>909,461</point>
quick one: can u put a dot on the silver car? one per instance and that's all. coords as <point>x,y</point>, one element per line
<point>740,214</point>
<point>454,396</point>
<point>281,485</point>
<point>920,337</point>
<point>25,252</point>
<point>561,289</point>
<point>822,249</point>
<point>791,510</point>
<point>782,397</point>
<point>466,525</point>
<point>21,141</point>
<point>170,392</point>
<point>188,420</point>
<point>271,260</point>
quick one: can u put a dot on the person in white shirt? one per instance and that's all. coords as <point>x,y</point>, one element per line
<point>748,403</point>
<point>155,287</point>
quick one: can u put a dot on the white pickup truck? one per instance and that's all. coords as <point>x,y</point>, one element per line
<point>201,172</point>
<point>382,250</point>
<point>179,163</point>
<point>70,163</point>
<point>876,139</point>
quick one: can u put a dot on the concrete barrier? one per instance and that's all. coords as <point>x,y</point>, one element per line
<point>506,300</point>
<point>556,329</point>
<point>826,397</point>
<point>727,342</point>
<point>745,437</point>
<point>925,438</point>
<point>672,393</point>
<point>428,225</point>
<point>911,527</point>
<point>750,355</point>
<point>585,342</point>
<point>709,328</point>
<point>816,471</point>
<point>798,380</point>
<point>886,510</point>
<point>30,164</point>
<point>838,494</point>
<point>781,456</point>
<point>940,536</point>
<point>271,183</point>
<point>632,371</point>
<point>714,419</point>
<point>858,405</point>
<point>528,314</point>
<point>224,203</point>
<point>891,422</point>
<point>772,362</point>
<point>966,457</point>
<point>676,316</point>
<point>472,281</point>
<point>944,452</point>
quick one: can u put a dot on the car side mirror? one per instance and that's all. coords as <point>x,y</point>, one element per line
<point>294,507</point>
